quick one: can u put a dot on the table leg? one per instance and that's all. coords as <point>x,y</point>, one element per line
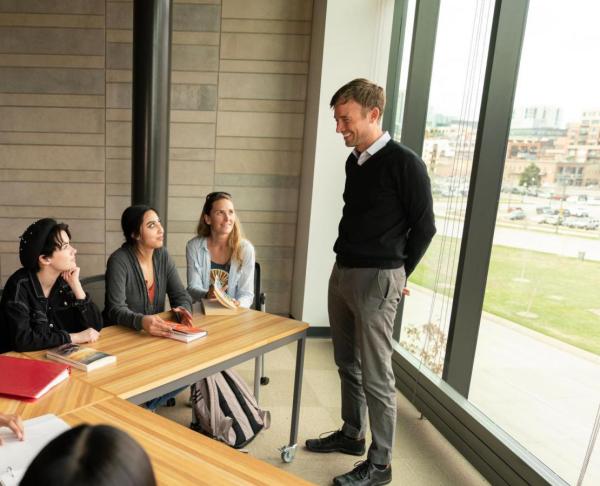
<point>288,452</point>
<point>257,375</point>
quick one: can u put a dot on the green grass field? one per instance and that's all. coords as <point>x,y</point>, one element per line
<point>562,291</point>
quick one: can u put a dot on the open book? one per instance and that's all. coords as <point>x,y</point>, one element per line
<point>224,299</point>
<point>86,359</point>
<point>221,305</point>
<point>212,307</point>
<point>16,455</point>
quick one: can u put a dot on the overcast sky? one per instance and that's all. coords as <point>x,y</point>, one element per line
<point>559,62</point>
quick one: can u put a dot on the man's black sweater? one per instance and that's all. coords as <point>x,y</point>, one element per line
<point>388,217</point>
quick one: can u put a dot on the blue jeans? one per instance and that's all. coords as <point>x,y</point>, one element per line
<point>153,404</point>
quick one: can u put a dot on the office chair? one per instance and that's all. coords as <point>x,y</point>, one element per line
<point>95,285</point>
<point>259,305</point>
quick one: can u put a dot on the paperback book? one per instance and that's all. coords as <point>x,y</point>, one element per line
<point>212,307</point>
<point>186,334</point>
<point>82,358</point>
<point>224,299</point>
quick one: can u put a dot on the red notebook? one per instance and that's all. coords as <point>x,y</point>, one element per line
<point>29,379</point>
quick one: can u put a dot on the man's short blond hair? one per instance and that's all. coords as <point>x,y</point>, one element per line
<point>366,93</point>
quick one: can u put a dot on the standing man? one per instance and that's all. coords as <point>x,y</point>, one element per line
<point>387,224</point>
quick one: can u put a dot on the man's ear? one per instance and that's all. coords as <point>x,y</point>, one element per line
<point>374,115</point>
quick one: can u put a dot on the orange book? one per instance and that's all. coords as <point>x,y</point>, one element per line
<point>181,332</point>
<point>29,379</point>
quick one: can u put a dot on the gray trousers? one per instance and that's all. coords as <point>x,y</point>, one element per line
<point>362,305</point>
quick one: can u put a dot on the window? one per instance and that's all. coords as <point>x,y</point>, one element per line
<point>454,102</point>
<point>401,97</point>
<point>537,368</point>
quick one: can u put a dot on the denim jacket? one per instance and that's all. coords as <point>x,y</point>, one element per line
<point>30,321</point>
<point>240,285</point>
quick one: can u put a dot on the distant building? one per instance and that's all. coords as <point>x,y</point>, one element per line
<point>585,135</point>
<point>448,147</point>
<point>537,122</point>
<point>566,157</point>
<point>537,117</point>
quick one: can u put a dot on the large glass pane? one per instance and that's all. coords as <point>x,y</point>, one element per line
<point>408,33</point>
<point>537,368</point>
<point>454,102</point>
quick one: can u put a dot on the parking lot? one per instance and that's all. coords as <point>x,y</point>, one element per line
<point>577,211</point>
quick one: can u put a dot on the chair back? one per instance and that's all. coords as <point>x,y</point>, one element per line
<point>96,287</point>
<point>259,297</point>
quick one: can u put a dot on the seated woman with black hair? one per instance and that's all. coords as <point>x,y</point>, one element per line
<point>43,304</point>
<point>91,455</point>
<point>139,276</point>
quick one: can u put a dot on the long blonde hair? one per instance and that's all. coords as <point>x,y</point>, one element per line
<point>234,241</point>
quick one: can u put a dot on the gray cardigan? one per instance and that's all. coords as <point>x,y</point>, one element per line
<point>126,299</point>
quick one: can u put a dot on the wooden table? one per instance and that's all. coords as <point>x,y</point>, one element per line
<point>148,366</point>
<point>179,455</point>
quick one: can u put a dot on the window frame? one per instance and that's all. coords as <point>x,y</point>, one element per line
<point>444,401</point>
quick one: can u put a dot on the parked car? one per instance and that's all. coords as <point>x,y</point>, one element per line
<point>579,212</point>
<point>592,224</point>
<point>517,214</point>
<point>555,220</point>
<point>544,210</point>
<point>577,223</point>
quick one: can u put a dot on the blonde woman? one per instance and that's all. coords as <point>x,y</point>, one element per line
<point>220,251</point>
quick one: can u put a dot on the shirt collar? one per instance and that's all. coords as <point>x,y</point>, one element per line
<point>376,146</point>
<point>37,286</point>
<point>35,283</point>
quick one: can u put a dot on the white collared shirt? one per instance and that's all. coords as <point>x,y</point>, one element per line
<point>373,149</point>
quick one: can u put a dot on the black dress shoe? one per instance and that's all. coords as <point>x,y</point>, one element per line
<point>365,474</point>
<point>337,442</point>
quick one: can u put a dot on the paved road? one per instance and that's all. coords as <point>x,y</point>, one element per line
<point>566,245</point>
<point>555,384</point>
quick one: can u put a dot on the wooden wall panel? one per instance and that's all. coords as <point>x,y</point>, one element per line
<point>52,155</point>
<point>239,75</point>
